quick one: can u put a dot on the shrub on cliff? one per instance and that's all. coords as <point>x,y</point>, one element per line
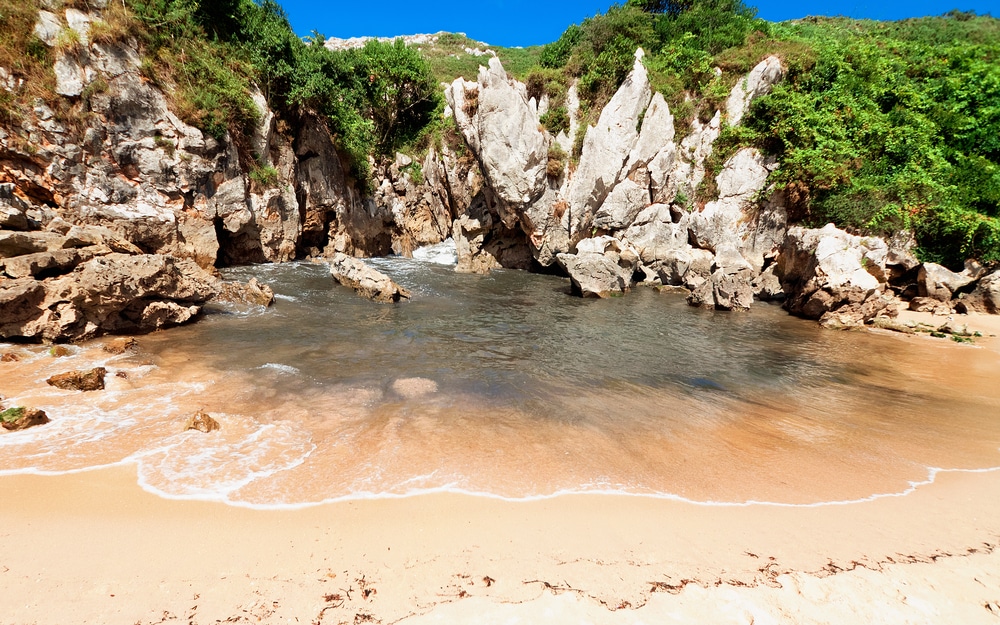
<point>892,130</point>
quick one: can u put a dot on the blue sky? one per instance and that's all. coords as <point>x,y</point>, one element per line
<point>532,22</point>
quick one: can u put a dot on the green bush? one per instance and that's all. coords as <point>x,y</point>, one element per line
<point>556,120</point>
<point>889,129</point>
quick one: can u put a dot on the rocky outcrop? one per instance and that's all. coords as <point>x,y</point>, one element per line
<point>758,82</point>
<point>939,283</point>
<point>502,129</point>
<point>600,268</point>
<point>606,149</point>
<point>634,184</point>
<point>833,276</point>
<point>109,294</point>
<point>366,281</point>
<point>985,298</point>
<point>252,293</point>
<point>90,380</point>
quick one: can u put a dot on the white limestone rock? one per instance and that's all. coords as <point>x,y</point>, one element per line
<point>758,82</point>
<point>606,148</point>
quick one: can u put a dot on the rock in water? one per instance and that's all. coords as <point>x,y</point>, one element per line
<point>202,422</point>
<point>121,345</point>
<point>92,380</point>
<point>365,280</point>
<point>412,388</point>
<point>600,268</point>
<point>253,293</point>
<point>19,418</point>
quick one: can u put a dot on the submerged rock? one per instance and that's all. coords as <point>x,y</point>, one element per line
<point>21,418</point>
<point>202,422</point>
<point>120,345</point>
<point>411,388</point>
<point>92,380</point>
<point>365,280</point>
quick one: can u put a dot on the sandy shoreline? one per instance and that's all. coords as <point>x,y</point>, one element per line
<point>94,548</point>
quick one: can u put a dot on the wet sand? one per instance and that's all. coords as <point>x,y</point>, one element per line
<point>94,548</point>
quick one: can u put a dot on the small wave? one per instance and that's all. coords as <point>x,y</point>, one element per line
<point>286,298</point>
<point>280,367</point>
<point>443,253</point>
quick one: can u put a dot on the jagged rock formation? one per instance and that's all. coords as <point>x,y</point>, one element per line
<point>90,380</point>
<point>129,187</point>
<point>833,276</point>
<point>633,183</point>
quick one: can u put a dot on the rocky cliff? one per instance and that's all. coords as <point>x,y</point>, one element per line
<point>644,202</point>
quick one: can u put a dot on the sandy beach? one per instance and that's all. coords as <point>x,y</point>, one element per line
<point>94,548</point>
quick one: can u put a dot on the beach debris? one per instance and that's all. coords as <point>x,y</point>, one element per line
<point>10,357</point>
<point>92,380</point>
<point>366,281</point>
<point>253,293</point>
<point>202,422</point>
<point>21,418</point>
<point>411,388</point>
<point>121,345</point>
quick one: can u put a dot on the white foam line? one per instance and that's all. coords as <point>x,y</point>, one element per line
<point>451,489</point>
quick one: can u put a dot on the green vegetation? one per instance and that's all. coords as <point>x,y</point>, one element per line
<point>264,176</point>
<point>890,128</point>
<point>210,57</point>
<point>12,414</point>
<point>879,126</point>
<point>453,56</point>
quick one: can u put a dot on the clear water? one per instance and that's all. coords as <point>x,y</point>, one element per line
<point>506,385</point>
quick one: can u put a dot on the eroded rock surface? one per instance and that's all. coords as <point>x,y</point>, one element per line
<point>833,276</point>
<point>366,281</point>
<point>89,380</point>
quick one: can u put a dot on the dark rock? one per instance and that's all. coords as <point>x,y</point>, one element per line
<point>92,380</point>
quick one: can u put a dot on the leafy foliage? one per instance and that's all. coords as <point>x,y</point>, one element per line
<point>216,53</point>
<point>890,129</point>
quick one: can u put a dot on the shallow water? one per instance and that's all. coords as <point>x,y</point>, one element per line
<point>506,385</point>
